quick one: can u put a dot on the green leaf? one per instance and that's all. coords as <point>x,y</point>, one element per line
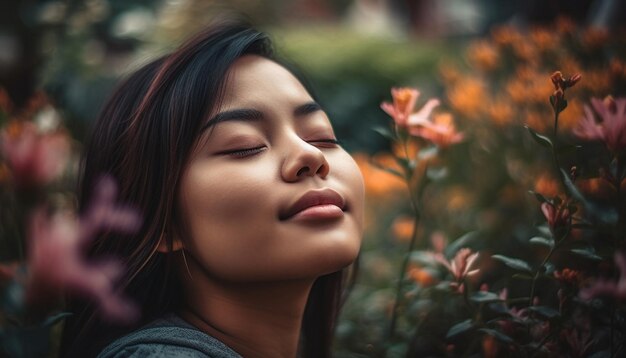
<point>522,276</point>
<point>437,173</point>
<point>537,240</point>
<point>568,149</point>
<point>485,297</point>
<point>393,171</point>
<point>587,253</point>
<point>385,132</point>
<point>517,264</point>
<point>50,321</point>
<point>540,198</point>
<point>428,152</point>
<point>422,258</point>
<point>498,335</point>
<point>561,105</point>
<point>460,328</point>
<point>571,188</point>
<point>465,240</point>
<point>405,163</point>
<point>541,139</point>
<point>545,231</point>
<point>545,311</point>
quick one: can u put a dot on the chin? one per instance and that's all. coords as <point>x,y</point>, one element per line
<point>337,257</point>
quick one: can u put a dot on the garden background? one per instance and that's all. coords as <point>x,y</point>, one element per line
<point>546,200</point>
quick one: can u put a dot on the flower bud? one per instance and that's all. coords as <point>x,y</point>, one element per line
<point>557,79</point>
<point>573,80</point>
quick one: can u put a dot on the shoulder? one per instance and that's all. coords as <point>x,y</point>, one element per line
<point>168,337</point>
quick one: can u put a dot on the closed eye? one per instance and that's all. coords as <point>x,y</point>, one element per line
<point>243,152</point>
<point>330,142</point>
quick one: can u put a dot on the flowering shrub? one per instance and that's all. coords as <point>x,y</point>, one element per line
<point>532,187</point>
<point>43,241</point>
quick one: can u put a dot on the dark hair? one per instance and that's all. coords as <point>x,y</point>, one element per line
<point>143,138</point>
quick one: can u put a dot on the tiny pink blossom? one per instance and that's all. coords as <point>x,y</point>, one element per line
<point>611,129</point>
<point>608,288</point>
<point>56,258</point>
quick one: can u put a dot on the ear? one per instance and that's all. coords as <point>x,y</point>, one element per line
<point>164,248</point>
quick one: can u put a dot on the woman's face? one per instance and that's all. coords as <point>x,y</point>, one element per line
<point>267,194</point>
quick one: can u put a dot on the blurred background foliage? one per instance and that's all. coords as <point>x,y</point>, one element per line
<point>488,61</point>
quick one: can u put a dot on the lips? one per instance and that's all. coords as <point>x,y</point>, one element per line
<point>314,198</point>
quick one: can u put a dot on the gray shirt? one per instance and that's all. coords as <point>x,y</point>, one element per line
<point>169,336</point>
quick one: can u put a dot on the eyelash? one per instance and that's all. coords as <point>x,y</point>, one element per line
<point>246,152</point>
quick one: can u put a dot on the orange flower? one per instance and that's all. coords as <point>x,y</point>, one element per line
<point>421,276</point>
<point>525,51</point>
<point>547,186</point>
<point>468,96</point>
<point>565,25</point>
<point>449,73</point>
<point>594,38</point>
<point>490,346</point>
<point>543,38</point>
<point>402,228</point>
<point>500,112</point>
<point>595,187</point>
<point>569,118</point>
<point>568,276</point>
<point>505,35</point>
<point>483,55</point>
<point>403,104</point>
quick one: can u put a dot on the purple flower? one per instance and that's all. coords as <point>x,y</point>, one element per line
<point>56,259</point>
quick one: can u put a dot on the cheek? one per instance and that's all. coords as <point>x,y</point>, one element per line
<point>226,212</point>
<point>349,174</point>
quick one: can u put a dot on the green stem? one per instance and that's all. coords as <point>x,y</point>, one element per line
<point>543,263</point>
<point>405,262</point>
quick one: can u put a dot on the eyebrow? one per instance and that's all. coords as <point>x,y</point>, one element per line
<point>250,114</point>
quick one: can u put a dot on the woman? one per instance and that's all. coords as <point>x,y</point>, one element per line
<point>251,209</point>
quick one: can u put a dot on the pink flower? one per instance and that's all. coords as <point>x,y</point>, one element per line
<point>613,289</point>
<point>404,99</point>
<point>612,126</point>
<point>34,158</point>
<point>56,259</point>
<point>441,132</point>
<point>557,215</point>
<point>460,265</point>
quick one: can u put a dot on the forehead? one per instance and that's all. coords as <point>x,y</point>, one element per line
<point>254,80</point>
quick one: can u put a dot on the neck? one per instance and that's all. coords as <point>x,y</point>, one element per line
<point>254,319</point>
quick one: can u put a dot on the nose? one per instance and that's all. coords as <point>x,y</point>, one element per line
<point>304,160</point>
